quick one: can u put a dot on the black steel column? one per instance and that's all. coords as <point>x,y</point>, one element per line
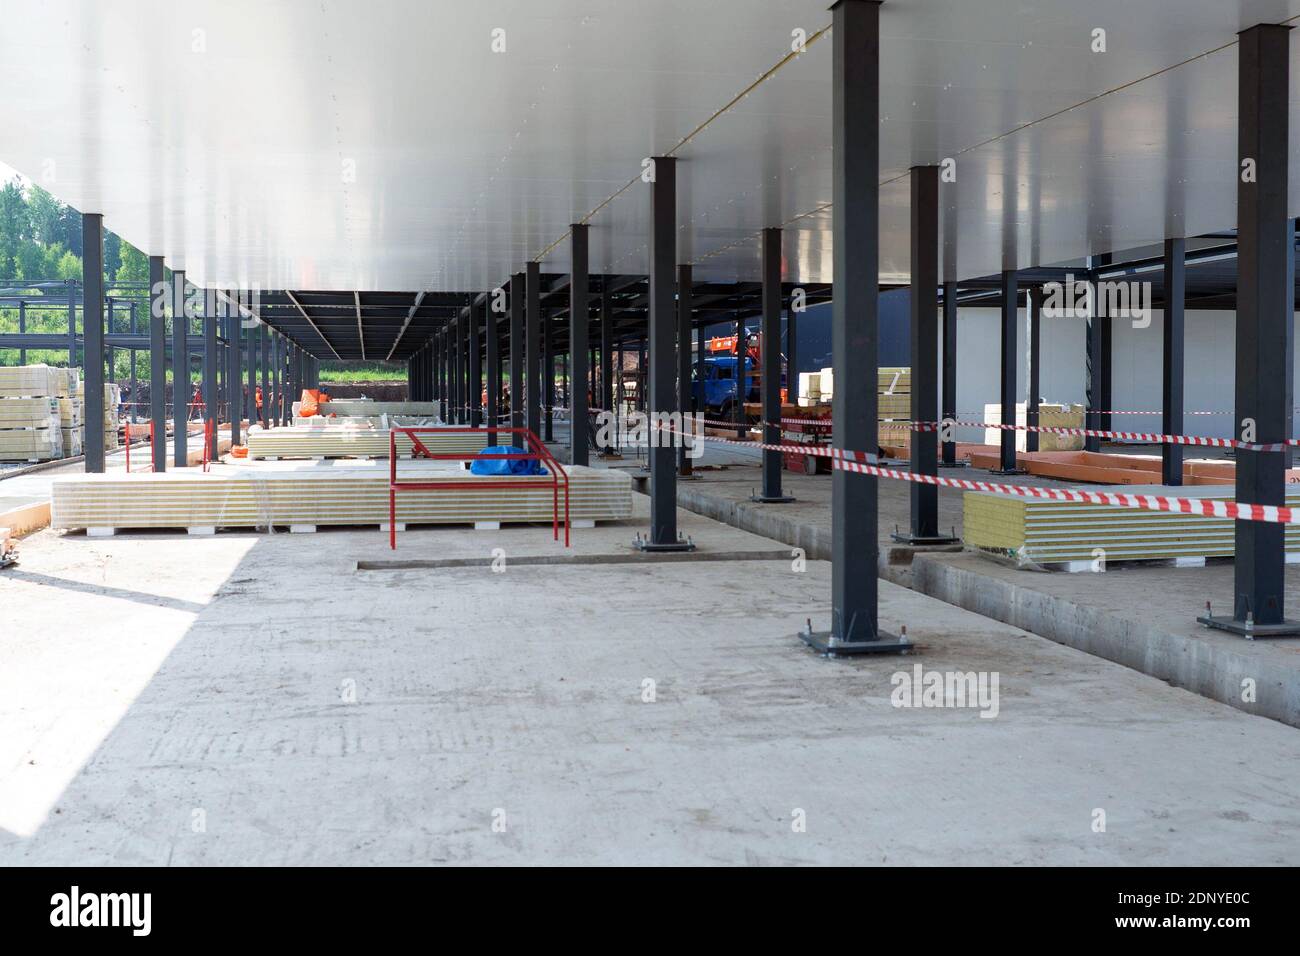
<point>493,367</point>
<point>518,350</point>
<point>606,394</point>
<point>211,398</point>
<point>792,356</point>
<point>1035,376</point>
<point>1010,311</point>
<point>924,298</point>
<point>698,405</point>
<point>855,210</point>
<point>180,370</point>
<point>1171,390</point>
<point>548,376</point>
<point>532,336</point>
<point>92,318</point>
<point>950,366</point>
<point>264,343</point>
<point>250,397</point>
<point>1095,365</point>
<point>685,309</point>
<point>770,374</point>
<point>662,334</point>
<point>158,360</point>
<point>475,365</point>
<point>234,376</point>
<point>579,342</point>
<point>1265,325</point>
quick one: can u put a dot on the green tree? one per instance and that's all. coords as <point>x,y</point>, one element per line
<point>135,265</point>
<point>45,212</point>
<point>15,226</point>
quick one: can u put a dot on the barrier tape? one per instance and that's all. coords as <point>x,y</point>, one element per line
<point>862,463</point>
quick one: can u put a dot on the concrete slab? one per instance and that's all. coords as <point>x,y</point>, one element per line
<point>172,700</point>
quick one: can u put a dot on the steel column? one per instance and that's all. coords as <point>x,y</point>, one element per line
<point>234,374</point>
<point>925,360</point>
<point>475,366</point>
<point>180,370</point>
<point>211,397</point>
<point>950,366</point>
<point>1171,390</point>
<point>1010,356</point>
<point>158,360</point>
<point>662,334</point>
<point>264,344</point>
<point>606,352</point>
<point>855,210</point>
<point>1035,366</point>
<point>685,310</point>
<point>493,365</point>
<point>1265,325</point>
<point>770,376</point>
<point>548,376</point>
<point>579,343</point>
<point>92,317</point>
<point>532,335</point>
<point>1095,366</point>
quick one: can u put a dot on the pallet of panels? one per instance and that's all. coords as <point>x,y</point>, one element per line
<point>1041,532</point>
<point>29,429</point>
<point>345,441</point>
<point>305,495</point>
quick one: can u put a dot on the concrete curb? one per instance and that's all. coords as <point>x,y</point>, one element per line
<point>1211,664</point>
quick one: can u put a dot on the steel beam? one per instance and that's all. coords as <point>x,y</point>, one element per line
<point>92,317</point>
<point>1265,327</point>
<point>158,360</point>
<point>662,334</point>
<point>770,375</point>
<point>1172,355</point>
<point>855,210</point>
<point>579,342</point>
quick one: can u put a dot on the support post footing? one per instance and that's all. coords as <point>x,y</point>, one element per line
<point>1249,629</point>
<point>825,643</point>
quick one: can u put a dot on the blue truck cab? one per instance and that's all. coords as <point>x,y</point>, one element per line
<point>717,392</point>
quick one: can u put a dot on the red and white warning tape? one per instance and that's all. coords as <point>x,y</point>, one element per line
<point>866,464</point>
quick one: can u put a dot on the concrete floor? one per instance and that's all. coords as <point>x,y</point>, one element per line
<point>253,699</point>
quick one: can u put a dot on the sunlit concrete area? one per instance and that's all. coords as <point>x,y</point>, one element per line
<point>606,713</point>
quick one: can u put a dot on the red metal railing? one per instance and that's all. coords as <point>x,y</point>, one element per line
<point>535,451</point>
<point>148,467</point>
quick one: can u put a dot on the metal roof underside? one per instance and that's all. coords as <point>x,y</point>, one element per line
<point>348,145</point>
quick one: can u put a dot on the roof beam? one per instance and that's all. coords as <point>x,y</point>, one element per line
<point>356,297</point>
<point>294,299</point>
<point>402,331</point>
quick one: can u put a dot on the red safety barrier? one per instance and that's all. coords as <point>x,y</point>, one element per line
<point>148,467</point>
<point>538,453</point>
